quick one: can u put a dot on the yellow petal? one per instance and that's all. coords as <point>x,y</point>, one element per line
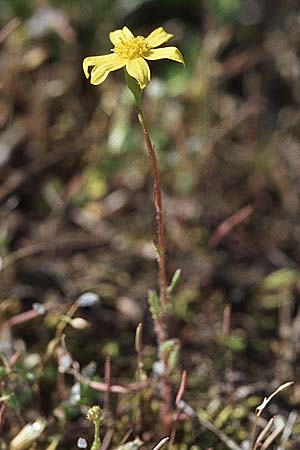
<point>115,36</point>
<point>98,75</point>
<point>102,66</point>
<point>166,52</point>
<point>157,37</point>
<point>120,35</point>
<point>139,69</point>
<point>127,33</point>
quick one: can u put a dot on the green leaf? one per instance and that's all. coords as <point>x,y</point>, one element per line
<point>236,343</point>
<point>174,281</point>
<point>279,279</point>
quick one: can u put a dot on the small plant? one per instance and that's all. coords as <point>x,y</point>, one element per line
<point>130,52</point>
<point>95,415</point>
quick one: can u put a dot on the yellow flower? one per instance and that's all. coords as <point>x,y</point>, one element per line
<point>130,52</point>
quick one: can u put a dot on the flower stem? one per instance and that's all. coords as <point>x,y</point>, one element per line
<point>95,415</point>
<point>159,215</point>
<point>161,251</point>
<point>96,442</point>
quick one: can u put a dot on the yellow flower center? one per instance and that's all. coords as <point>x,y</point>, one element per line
<point>132,48</point>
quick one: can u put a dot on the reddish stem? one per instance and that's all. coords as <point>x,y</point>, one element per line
<point>162,325</point>
<point>107,376</point>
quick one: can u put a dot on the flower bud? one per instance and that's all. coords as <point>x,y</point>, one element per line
<point>95,414</point>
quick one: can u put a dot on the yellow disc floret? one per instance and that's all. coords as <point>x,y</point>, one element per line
<point>132,48</point>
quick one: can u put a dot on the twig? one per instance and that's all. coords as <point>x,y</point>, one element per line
<point>228,224</point>
<point>181,389</point>
<point>22,317</point>
<point>262,406</point>
<point>263,433</point>
<point>287,430</point>
<point>8,28</point>
<point>266,400</point>
<point>3,409</point>
<point>161,443</point>
<point>107,439</point>
<point>178,408</point>
<point>246,390</point>
<point>107,377</point>
<point>13,360</point>
<point>272,437</point>
<point>56,246</point>
<point>114,388</point>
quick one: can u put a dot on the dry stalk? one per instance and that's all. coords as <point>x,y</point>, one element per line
<point>260,409</point>
<point>287,430</point>
<point>161,443</point>
<point>272,437</point>
<point>263,433</point>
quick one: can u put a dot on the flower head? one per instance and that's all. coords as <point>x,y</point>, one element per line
<point>131,52</point>
<point>95,414</point>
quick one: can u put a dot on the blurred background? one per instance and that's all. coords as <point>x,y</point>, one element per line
<point>76,198</point>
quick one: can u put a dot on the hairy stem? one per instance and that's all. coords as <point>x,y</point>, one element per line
<point>162,323</point>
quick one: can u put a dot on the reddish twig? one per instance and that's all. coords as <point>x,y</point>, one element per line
<point>22,317</point>
<point>14,359</point>
<point>228,224</point>
<point>107,439</point>
<point>102,387</point>
<point>107,377</point>
<point>178,409</point>
<point>272,437</point>
<point>181,389</point>
<point>226,321</point>
<point>8,28</point>
<point>3,410</point>
<point>263,433</point>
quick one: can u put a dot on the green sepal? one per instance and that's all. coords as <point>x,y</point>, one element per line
<point>137,92</point>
